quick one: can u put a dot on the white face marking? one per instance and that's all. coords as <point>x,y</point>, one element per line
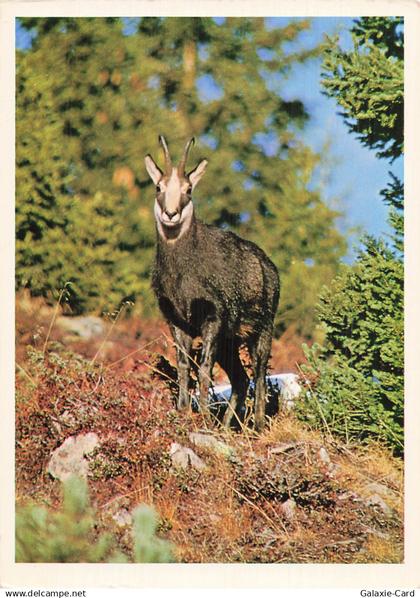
<point>173,192</point>
<point>171,216</point>
<point>164,226</point>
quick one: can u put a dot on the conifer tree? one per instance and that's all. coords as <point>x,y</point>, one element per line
<point>368,83</point>
<point>360,389</point>
<point>111,92</point>
<point>75,534</point>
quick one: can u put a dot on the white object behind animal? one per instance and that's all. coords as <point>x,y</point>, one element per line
<point>286,385</point>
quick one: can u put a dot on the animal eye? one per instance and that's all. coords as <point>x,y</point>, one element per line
<point>158,188</point>
<point>189,190</point>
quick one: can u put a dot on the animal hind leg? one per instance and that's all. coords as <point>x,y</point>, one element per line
<point>230,361</point>
<point>260,353</point>
<point>210,332</point>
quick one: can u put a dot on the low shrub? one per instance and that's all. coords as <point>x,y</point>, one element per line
<point>71,534</point>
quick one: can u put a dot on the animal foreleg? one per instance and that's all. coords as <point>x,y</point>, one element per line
<point>183,344</point>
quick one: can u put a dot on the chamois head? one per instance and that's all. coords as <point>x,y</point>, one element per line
<point>173,206</point>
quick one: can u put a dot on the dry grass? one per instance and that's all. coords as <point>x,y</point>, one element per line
<point>276,498</point>
<point>380,550</point>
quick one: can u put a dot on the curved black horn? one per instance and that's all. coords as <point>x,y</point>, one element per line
<point>182,164</point>
<point>168,161</point>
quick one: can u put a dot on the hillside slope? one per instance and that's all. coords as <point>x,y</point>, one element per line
<point>288,495</point>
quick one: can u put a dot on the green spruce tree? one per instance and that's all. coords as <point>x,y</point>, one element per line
<point>109,95</point>
<point>368,83</point>
<point>360,368</point>
<point>75,533</point>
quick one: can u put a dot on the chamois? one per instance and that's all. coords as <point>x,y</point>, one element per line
<point>212,284</point>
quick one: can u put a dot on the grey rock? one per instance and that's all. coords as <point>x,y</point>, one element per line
<point>183,457</point>
<point>379,495</point>
<point>85,327</point>
<point>381,489</point>
<point>330,468</point>
<point>324,456</point>
<point>69,458</point>
<point>377,501</point>
<point>210,442</point>
<point>288,509</point>
<point>123,518</point>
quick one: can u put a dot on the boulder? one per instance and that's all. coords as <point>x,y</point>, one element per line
<point>84,327</point>
<point>70,458</point>
<point>288,509</point>
<point>183,457</point>
<point>324,456</point>
<point>208,441</point>
<point>377,501</point>
<point>382,490</point>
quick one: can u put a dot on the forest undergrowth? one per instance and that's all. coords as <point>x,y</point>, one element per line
<point>288,495</point>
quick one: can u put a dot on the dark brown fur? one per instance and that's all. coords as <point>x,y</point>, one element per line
<point>213,284</point>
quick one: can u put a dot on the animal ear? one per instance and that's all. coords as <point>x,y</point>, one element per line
<point>153,169</point>
<point>195,175</point>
